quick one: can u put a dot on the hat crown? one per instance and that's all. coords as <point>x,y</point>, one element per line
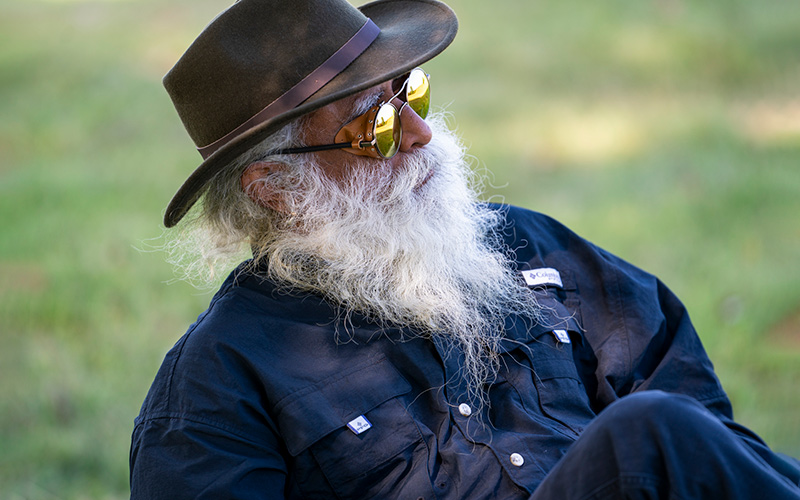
<point>250,55</point>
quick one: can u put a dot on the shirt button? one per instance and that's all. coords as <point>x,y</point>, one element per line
<point>516,459</point>
<point>464,409</point>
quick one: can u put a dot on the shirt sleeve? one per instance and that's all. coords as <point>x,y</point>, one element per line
<point>642,336</point>
<point>638,334</point>
<point>203,430</point>
<point>175,457</point>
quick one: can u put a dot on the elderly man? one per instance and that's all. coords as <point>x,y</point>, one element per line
<point>392,337</point>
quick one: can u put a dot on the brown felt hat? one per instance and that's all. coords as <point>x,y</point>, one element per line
<point>262,63</point>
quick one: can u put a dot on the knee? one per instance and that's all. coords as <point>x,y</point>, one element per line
<point>649,403</point>
<point>636,433</point>
<point>654,411</point>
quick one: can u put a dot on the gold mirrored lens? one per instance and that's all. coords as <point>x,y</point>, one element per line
<point>387,131</point>
<point>418,92</point>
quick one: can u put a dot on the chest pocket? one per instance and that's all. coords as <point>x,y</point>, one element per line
<point>561,393</point>
<point>314,421</point>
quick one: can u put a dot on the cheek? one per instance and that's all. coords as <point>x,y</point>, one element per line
<point>321,126</point>
<point>344,168</point>
<point>334,164</point>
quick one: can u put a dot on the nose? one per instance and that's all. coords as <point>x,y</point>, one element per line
<point>416,131</point>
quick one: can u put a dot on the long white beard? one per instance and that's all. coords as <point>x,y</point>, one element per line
<point>424,256</point>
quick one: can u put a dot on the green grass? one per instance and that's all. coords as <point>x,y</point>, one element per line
<point>665,131</point>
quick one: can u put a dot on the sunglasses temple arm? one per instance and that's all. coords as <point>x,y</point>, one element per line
<point>312,149</point>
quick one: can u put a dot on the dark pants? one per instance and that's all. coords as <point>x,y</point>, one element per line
<point>654,445</point>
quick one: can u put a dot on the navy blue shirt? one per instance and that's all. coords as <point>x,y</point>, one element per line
<point>269,395</point>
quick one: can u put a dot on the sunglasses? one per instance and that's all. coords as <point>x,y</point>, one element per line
<point>378,132</point>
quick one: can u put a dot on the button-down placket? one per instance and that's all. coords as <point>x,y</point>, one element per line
<point>474,423</point>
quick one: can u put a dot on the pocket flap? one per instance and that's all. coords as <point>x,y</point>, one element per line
<point>554,316</point>
<point>317,410</point>
<point>550,368</point>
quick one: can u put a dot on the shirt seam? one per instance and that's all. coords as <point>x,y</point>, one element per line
<point>317,388</point>
<point>191,330</point>
<point>711,395</point>
<point>623,319</point>
<point>148,418</point>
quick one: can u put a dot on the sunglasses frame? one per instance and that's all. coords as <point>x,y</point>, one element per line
<point>365,125</point>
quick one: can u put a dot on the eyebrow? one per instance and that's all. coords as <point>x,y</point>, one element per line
<point>364,103</point>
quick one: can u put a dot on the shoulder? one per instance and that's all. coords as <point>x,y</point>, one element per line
<point>232,357</point>
<point>539,240</point>
<point>609,289</point>
<point>527,218</point>
<point>523,226</point>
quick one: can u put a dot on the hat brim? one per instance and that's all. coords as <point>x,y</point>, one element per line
<point>412,32</point>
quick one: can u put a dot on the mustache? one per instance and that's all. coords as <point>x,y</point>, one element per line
<point>411,170</point>
<point>393,181</point>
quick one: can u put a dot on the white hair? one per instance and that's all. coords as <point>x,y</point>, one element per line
<point>409,246</point>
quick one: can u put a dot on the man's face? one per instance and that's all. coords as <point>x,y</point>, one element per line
<point>322,125</point>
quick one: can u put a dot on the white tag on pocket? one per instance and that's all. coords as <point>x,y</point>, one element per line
<point>562,336</point>
<point>359,424</point>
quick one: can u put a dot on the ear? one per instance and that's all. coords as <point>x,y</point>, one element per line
<point>257,191</point>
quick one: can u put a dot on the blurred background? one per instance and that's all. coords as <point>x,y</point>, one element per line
<point>666,131</point>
